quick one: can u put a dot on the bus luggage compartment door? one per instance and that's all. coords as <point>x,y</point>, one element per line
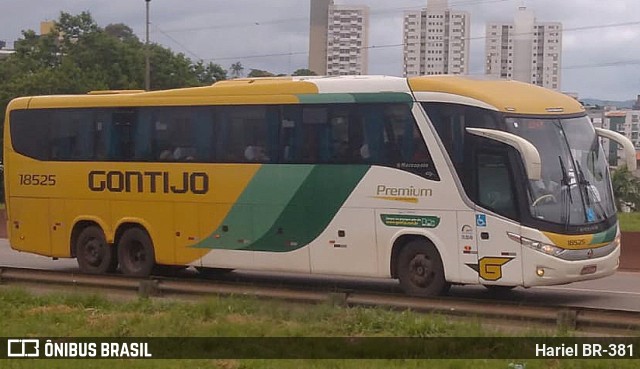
<point>29,228</point>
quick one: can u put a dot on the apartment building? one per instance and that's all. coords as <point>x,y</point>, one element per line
<point>525,50</point>
<point>436,40</point>
<point>347,40</point>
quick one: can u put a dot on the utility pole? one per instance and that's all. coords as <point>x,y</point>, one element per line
<point>147,69</point>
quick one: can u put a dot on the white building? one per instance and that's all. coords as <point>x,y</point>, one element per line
<point>626,122</point>
<point>436,40</point>
<point>347,40</point>
<point>525,50</point>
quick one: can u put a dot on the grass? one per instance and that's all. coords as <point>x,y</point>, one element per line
<point>23,314</point>
<point>629,222</point>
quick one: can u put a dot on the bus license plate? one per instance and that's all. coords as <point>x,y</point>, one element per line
<point>589,269</point>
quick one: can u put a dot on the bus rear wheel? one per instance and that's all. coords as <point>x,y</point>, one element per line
<point>420,270</point>
<point>93,253</point>
<point>135,253</point>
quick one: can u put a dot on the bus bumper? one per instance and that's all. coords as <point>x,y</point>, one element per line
<point>544,270</point>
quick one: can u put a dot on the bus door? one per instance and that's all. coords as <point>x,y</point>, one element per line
<point>499,258</point>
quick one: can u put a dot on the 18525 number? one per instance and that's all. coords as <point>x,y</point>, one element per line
<point>37,179</point>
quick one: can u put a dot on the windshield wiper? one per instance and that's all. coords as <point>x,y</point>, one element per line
<point>565,187</point>
<point>586,188</point>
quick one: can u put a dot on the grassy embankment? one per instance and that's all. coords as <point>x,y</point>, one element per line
<point>629,222</point>
<point>23,315</point>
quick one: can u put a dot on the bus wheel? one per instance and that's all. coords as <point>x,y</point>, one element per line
<point>420,270</point>
<point>135,253</point>
<point>93,253</point>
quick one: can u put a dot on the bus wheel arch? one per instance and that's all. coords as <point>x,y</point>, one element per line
<point>91,249</point>
<point>136,253</point>
<point>417,263</point>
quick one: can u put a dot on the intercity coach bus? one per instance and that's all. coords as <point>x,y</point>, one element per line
<point>433,180</point>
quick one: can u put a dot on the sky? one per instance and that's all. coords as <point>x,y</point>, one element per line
<point>601,39</point>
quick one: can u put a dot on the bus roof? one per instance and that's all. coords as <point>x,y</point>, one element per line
<point>504,95</point>
<point>500,95</point>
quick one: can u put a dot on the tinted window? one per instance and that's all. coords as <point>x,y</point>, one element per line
<point>376,134</point>
<point>495,187</point>
<point>450,121</point>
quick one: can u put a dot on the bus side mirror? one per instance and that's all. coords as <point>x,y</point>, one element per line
<point>528,152</point>
<point>627,145</point>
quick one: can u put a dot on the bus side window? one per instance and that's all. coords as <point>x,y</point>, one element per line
<point>242,134</point>
<point>144,135</point>
<point>290,127</point>
<point>30,133</point>
<point>273,127</point>
<point>494,189</point>
<point>202,134</point>
<point>374,148</point>
<point>314,136</point>
<point>122,144</point>
<point>102,134</point>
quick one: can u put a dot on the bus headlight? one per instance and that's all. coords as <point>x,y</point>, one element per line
<point>537,245</point>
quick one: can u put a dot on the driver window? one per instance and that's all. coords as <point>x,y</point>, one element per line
<point>494,186</point>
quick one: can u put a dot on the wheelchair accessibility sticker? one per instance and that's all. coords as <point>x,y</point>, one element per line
<point>481,220</point>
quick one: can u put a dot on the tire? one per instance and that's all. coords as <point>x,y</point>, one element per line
<point>135,253</point>
<point>93,253</point>
<point>420,270</point>
<point>213,272</point>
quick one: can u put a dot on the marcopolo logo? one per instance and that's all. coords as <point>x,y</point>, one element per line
<point>23,348</point>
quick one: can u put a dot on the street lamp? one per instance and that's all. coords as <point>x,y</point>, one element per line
<point>147,70</point>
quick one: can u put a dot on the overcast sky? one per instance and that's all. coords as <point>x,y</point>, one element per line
<point>598,62</point>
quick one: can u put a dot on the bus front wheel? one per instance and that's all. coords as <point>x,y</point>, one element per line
<point>420,270</point>
<point>93,253</point>
<point>135,253</point>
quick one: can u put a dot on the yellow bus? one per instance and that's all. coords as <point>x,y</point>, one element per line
<point>430,180</point>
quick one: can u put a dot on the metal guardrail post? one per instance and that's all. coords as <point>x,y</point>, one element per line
<point>567,319</point>
<point>148,288</point>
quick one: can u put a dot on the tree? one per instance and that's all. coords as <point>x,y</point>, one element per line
<point>121,31</point>
<point>259,73</point>
<point>79,56</point>
<point>237,69</point>
<point>210,73</point>
<point>304,72</point>
<point>626,188</point>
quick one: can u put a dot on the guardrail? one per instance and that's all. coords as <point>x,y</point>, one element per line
<point>569,318</point>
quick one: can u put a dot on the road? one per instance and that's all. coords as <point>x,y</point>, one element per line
<point>620,291</point>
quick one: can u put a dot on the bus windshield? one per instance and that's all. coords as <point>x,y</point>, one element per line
<point>574,188</point>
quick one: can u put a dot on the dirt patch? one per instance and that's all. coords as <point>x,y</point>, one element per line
<point>630,252</point>
<point>50,309</point>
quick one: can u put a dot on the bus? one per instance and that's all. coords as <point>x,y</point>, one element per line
<point>432,180</point>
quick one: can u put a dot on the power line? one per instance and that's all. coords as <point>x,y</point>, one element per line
<point>581,28</point>
<point>177,43</point>
<point>306,19</point>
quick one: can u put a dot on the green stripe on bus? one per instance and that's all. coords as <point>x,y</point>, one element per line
<point>325,98</point>
<point>312,208</point>
<point>384,97</point>
<point>364,97</point>
<point>259,205</point>
<point>604,236</point>
<point>281,211</point>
